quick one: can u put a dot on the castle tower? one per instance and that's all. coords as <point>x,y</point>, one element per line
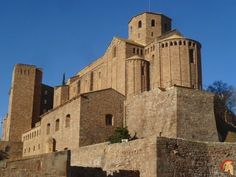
<point>145,27</point>
<point>176,60</point>
<point>137,70</point>
<point>24,103</point>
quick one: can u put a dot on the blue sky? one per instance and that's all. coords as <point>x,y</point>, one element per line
<point>66,35</point>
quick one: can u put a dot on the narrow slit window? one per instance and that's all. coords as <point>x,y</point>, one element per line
<point>191,55</point>
<point>109,119</point>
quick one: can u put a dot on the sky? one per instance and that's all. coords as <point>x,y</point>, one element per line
<point>66,35</point>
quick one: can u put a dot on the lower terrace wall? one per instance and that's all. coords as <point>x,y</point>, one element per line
<point>138,155</point>
<point>48,165</point>
<point>12,150</point>
<point>160,157</point>
<point>181,158</point>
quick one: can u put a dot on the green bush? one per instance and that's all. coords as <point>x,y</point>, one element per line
<point>119,134</point>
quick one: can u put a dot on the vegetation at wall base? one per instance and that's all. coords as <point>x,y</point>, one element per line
<point>119,134</point>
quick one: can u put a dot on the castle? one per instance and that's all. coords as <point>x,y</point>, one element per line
<point>150,83</point>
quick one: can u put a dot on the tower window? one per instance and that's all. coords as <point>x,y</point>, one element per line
<point>109,119</point>
<point>140,24</point>
<point>141,51</point>
<point>78,84</point>
<point>91,81</point>
<point>191,56</point>
<point>152,34</point>
<point>153,23</point>
<point>138,51</point>
<point>67,123</point>
<point>48,128</point>
<point>57,125</point>
<point>114,52</point>
<point>142,71</point>
<point>133,50</point>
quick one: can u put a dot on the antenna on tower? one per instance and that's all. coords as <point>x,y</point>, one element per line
<point>64,79</point>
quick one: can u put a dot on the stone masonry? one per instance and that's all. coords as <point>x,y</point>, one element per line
<point>150,83</point>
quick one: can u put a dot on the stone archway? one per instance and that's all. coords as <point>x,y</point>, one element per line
<point>51,145</point>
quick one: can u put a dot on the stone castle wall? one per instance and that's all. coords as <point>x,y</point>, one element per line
<point>135,155</point>
<point>49,165</point>
<point>11,150</point>
<point>193,159</point>
<point>159,157</point>
<point>149,157</point>
<point>95,107</point>
<point>78,122</point>
<point>176,112</point>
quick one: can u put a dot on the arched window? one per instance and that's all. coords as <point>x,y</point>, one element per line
<point>140,24</point>
<point>57,125</point>
<point>114,52</point>
<point>67,123</point>
<point>153,23</point>
<point>109,119</point>
<point>153,57</point>
<point>48,128</point>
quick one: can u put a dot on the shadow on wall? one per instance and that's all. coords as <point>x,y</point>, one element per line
<point>98,172</point>
<point>225,119</point>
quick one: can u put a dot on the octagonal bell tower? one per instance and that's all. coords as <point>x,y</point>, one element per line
<point>145,27</point>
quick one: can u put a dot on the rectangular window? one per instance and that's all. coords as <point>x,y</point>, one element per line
<point>91,81</point>
<point>109,120</point>
<point>79,87</point>
<point>191,55</point>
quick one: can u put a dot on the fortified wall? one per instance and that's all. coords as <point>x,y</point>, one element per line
<point>150,82</point>
<point>157,156</point>
<point>173,112</point>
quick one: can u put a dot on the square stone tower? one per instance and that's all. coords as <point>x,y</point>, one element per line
<point>145,27</point>
<point>24,103</point>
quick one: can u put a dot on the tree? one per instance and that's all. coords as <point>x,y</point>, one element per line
<point>119,134</point>
<point>3,155</point>
<point>224,107</point>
